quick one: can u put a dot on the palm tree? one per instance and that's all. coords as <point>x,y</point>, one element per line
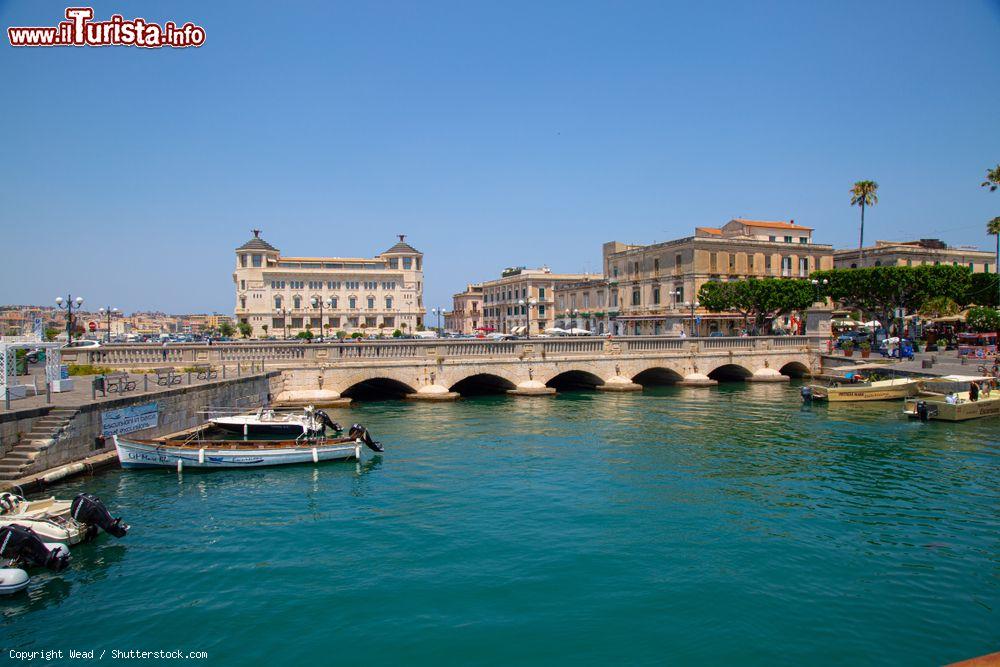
<point>992,179</point>
<point>993,227</point>
<point>864,193</point>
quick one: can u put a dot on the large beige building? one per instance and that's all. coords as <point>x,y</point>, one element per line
<point>915,253</point>
<point>466,315</point>
<point>584,304</point>
<point>523,300</point>
<point>652,287</point>
<point>275,294</point>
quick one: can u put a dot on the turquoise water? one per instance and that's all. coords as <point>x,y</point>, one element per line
<point>681,526</point>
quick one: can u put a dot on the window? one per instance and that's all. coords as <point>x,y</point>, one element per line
<point>243,302</point>
<point>713,262</point>
<point>786,266</point>
<point>788,239</point>
<point>614,271</point>
<point>371,285</point>
<point>986,267</point>
<point>677,261</point>
<point>803,267</point>
<point>255,261</point>
<point>541,310</point>
<point>243,261</point>
<point>750,263</point>
<point>243,283</point>
<point>656,265</point>
<point>614,299</point>
<point>371,303</point>
<point>407,263</point>
<point>656,295</point>
<point>732,262</point>
<point>393,262</point>
<point>353,302</point>
<point>803,239</point>
<point>972,266</point>
<point>636,297</point>
<point>388,303</point>
<point>772,239</point>
<point>277,303</point>
<point>636,268</point>
<point>678,294</point>
<point>586,300</point>
<point>297,302</point>
<point>541,292</point>
<point>767,263</point>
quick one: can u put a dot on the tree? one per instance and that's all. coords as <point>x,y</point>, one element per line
<point>265,328</point>
<point>341,335</point>
<point>982,319</point>
<point>993,227</point>
<point>226,329</point>
<point>939,306</point>
<point>50,334</point>
<point>984,289</point>
<point>880,290</point>
<point>397,333</point>
<point>992,179</point>
<point>864,193</point>
<point>305,335</point>
<point>760,300</point>
<point>245,329</point>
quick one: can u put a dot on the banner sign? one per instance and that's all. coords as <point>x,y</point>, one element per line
<point>127,420</point>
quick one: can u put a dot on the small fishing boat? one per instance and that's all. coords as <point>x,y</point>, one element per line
<point>267,421</point>
<point>64,521</point>
<point>196,453</point>
<point>879,390</point>
<point>21,547</point>
<point>948,398</point>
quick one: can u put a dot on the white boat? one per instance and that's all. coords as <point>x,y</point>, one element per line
<point>180,454</point>
<point>65,521</point>
<point>12,580</point>
<point>879,390</point>
<point>267,421</point>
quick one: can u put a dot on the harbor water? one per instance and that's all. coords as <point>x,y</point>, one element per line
<point>675,525</point>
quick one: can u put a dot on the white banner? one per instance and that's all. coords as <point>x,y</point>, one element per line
<point>130,419</point>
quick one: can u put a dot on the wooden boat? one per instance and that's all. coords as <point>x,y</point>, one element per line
<point>879,390</point>
<point>64,521</point>
<point>194,453</point>
<point>267,421</point>
<point>927,406</point>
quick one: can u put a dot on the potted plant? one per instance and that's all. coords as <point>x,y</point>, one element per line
<point>866,349</point>
<point>848,348</point>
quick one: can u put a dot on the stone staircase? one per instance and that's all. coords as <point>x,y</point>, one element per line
<point>44,431</point>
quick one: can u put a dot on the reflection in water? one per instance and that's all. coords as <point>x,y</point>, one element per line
<point>679,524</point>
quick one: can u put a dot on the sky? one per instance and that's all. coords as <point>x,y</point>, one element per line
<point>493,134</point>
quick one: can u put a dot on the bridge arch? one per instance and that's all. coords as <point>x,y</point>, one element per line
<point>574,379</point>
<point>794,369</point>
<point>482,383</point>
<point>377,388</point>
<point>657,375</point>
<point>730,372</point>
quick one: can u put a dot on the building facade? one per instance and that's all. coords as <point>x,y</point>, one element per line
<point>275,294</point>
<point>466,315</point>
<point>915,253</point>
<point>653,289</point>
<point>523,300</point>
<point>584,305</point>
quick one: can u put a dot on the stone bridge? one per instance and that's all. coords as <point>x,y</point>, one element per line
<point>447,368</point>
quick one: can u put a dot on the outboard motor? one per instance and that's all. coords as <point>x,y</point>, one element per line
<point>807,394</point>
<point>359,432</point>
<point>88,508</point>
<point>23,545</point>
<point>922,410</point>
<point>326,421</point>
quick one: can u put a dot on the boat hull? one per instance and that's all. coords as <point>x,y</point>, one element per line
<point>954,412</point>
<point>864,392</point>
<point>136,454</point>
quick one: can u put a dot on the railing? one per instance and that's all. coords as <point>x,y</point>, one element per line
<point>285,353</point>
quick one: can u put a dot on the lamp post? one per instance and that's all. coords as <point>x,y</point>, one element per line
<point>320,302</point>
<point>527,304</point>
<point>693,305</point>
<point>438,312</point>
<point>69,304</point>
<point>284,312</point>
<point>108,310</point>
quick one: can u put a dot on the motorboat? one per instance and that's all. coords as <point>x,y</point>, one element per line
<point>21,547</point>
<point>268,421</point>
<point>879,390</point>
<point>948,398</point>
<point>61,521</point>
<point>199,453</point>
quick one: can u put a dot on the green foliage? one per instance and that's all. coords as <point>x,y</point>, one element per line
<point>88,369</point>
<point>357,334</point>
<point>864,193</point>
<point>982,319</point>
<point>226,329</point>
<point>341,335</point>
<point>397,333</point>
<point>847,345</point>
<point>982,290</point>
<point>865,346</point>
<point>939,306</point>
<point>304,335</point>
<point>879,290</point>
<point>245,329</point>
<point>992,179</point>
<point>759,300</point>
<point>420,327</point>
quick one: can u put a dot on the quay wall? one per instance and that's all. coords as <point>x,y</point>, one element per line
<point>177,409</point>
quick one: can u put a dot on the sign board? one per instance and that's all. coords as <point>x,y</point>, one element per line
<point>38,329</point>
<point>130,419</point>
<point>92,326</point>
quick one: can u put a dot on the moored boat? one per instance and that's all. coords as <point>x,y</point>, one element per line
<point>953,407</point>
<point>267,421</point>
<point>65,521</point>
<point>180,454</point>
<point>879,390</point>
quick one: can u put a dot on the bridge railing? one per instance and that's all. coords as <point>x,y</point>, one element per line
<point>290,353</point>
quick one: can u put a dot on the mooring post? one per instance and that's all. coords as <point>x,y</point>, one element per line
<point>189,377</point>
<point>223,371</point>
<point>48,391</point>
<point>145,382</point>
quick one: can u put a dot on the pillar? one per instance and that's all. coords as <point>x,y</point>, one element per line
<point>619,383</point>
<point>531,388</point>
<point>433,392</point>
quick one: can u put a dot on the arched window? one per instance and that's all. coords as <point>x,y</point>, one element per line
<point>353,302</point>
<point>243,302</point>
<point>371,303</point>
<point>296,302</point>
<point>277,303</point>
<point>388,303</point>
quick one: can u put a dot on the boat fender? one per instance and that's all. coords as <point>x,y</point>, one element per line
<point>922,410</point>
<point>315,456</point>
<point>359,432</point>
<point>245,427</point>
<point>22,545</point>
<point>88,508</point>
<point>180,465</point>
<point>12,580</point>
<point>807,393</point>
<point>201,455</point>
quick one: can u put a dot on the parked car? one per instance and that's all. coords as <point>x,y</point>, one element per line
<point>83,343</point>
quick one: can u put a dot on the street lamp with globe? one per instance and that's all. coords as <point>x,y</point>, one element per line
<point>69,304</point>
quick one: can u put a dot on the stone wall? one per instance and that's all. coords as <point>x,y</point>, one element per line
<point>178,409</point>
<point>15,424</point>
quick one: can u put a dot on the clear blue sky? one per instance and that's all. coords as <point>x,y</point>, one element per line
<point>493,134</point>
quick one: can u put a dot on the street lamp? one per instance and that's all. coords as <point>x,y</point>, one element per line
<point>284,312</point>
<point>693,305</point>
<point>69,304</point>
<point>320,302</point>
<point>108,310</point>
<point>527,304</point>
<point>438,312</point>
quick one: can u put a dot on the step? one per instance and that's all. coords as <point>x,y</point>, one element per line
<point>10,468</point>
<point>18,456</point>
<point>8,476</point>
